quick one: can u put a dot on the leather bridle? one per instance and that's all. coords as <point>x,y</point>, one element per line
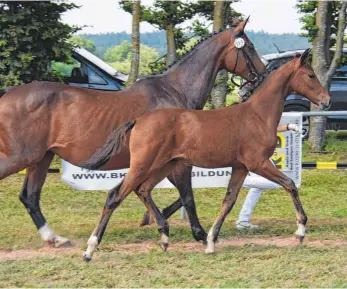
<point>253,76</point>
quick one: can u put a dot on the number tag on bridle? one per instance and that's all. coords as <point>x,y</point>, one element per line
<point>239,43</point>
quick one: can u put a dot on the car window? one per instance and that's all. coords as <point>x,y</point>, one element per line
<point>95,78</point>
<point>341,72</point>
<point>75,72</point>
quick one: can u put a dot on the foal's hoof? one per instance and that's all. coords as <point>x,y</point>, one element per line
<point>86,258</point>
<point>146,220</point>
<point>300,238</point>
<point>164,246</point>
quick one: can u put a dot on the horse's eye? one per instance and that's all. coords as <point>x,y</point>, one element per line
<point>311,75</point>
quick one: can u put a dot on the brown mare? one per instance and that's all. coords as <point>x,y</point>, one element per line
<point>41,119</point>
<point>164,139</point>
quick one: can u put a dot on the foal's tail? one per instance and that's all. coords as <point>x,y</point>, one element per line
<point>110,148</point>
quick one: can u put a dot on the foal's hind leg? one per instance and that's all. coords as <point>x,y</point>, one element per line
<point>115,197</point>
<point>30,197</point>
<point>181,178</point>
<point>269,171</point>
<point>144,193</point>
<point>235,184</point>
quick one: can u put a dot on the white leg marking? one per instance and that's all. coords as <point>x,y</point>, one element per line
<point>301,230</point>
<point>92,245</point>
<point>47,233</point>
<point>210,244</point>
<point>164,239</point>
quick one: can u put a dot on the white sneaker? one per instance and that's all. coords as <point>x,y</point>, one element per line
<point>245,225</point>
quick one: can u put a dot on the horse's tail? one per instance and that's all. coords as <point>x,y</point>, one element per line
<point>110,148</point>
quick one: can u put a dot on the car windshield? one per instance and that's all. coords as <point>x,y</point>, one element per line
<point>341,72</point>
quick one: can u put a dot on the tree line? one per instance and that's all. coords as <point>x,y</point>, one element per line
<point>263,41</point>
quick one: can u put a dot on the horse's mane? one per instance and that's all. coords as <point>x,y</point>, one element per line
<point>186,55</point>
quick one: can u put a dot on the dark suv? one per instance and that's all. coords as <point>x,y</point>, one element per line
<point>338,92</point>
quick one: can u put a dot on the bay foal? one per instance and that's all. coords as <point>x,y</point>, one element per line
<point>241,136</point>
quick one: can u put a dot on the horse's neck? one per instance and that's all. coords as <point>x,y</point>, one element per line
<point>193,78</point>
<point>268,100</point>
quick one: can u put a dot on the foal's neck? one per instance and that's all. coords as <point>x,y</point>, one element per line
<point>268,100</point>
<point>194,76</point>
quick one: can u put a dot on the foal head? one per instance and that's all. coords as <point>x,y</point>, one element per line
<point>241,58</point>
<point>305,82</point>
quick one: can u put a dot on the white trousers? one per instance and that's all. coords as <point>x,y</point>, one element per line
<point>251,200</point>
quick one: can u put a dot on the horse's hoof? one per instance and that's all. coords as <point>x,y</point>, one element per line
<point>209,251</point>
<point>300,238</point>
<point>49,243</point>
<point>164,246</point>
<point>62,243</point>
<point>201,237</point>
<point>86,258</point>
<point>146,220</point>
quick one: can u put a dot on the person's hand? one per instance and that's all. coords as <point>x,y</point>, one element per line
<point>294,127</point>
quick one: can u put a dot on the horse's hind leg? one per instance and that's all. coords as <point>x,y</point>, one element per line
<point>237,178</point>
<point>269,171</point>
<point>181,178</point>
<point>30,197</point>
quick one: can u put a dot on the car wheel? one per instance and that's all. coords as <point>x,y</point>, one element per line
<point>305,119</point>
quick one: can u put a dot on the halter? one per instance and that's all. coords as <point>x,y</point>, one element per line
<point>254,76</point>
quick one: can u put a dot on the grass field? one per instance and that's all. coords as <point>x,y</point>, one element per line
<point>129,256</point>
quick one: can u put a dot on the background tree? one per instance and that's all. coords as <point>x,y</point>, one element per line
<point>32,35</point>
<point>83,42</point>
<point>135,49</point>
<point>325,23</point>
<point>223,15</point>
<point>166,15</point>
<point>219,91</point>
<point>120,57</point>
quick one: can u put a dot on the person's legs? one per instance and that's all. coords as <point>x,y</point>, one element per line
<point>247,209</point>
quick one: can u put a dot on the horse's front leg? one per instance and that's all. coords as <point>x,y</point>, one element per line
<point>269,171</point>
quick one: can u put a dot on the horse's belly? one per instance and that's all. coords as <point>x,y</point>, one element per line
<point>212,159</point>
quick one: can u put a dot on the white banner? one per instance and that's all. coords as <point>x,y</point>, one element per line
<point>287,158</point>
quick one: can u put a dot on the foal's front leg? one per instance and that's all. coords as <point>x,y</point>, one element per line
<point>269,171</point>
<point>237,178</point>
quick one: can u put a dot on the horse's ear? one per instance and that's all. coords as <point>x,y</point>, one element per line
<point>304,56</point>
<point>241,26</point>
<point>235,22</point>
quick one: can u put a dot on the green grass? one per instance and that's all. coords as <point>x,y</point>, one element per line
<point>249,266</point>
<point>74,214</point>
<point>335,149</point>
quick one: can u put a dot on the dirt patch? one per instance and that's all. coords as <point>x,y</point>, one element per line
<point>175,247</point>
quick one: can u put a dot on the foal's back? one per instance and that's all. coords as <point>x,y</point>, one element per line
<point>203,138</point>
